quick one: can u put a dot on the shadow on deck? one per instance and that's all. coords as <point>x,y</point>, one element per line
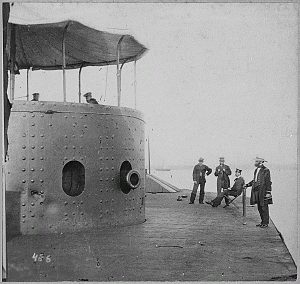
<point>178,242</point>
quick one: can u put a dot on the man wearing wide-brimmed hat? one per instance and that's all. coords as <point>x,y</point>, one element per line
<point>222,173</point>
<point>261,191</point>
<point>199,173</point>
<point>89,99</point>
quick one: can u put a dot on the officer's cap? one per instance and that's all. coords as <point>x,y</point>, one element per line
<point>87,94</point>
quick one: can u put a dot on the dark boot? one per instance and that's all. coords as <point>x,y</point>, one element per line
<point>192,198</point>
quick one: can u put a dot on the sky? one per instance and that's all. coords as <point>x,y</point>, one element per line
<point>219,79</point>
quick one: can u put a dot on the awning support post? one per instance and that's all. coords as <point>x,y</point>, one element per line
<point>149,163</point>
<point>64,61</point>
<point>119,70</point>
<point>135,83</point>
<point>27,96</point>
<point>12,62</point>
<point>79,83</point>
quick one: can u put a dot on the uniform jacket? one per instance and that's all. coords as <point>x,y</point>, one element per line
<point>261,187</point>
<point>223,176</point>
<point>238,185</point>
<point>199,173</point>
<point>92,101</point>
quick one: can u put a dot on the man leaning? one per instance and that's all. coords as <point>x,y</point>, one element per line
<point>235,191</point>
<point>261,191</point>
<point>222,173</point>
<point>199,173</point>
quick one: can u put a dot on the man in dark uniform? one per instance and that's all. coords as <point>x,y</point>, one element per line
<point>89,99</point>
<point>261,191</point>
<point>222,172</point>
<point>35,96</point>
<point>199,173</point>
<point>236,190</point>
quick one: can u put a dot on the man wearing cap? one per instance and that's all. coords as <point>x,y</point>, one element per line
<point>261,191</point>
<point>35,97</point>
<point>89,99</point>
<point>199,173</point>
<point>222,173</point>
<point>236,190</point>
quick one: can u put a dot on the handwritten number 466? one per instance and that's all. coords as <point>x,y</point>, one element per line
<point>40,257</point>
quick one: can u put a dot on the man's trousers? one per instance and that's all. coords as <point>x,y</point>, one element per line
<point>194,192</point>
<point>264,213</point>
<point>220,185</point>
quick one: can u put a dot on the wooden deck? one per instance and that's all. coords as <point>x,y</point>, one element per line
<point>178,242</point>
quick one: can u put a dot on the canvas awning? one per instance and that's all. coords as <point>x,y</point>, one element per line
<point>39,46</point>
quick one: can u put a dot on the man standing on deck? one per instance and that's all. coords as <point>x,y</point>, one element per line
<point>261,191</point>
<point>235,191</point>
<point>222,173</point>
<point>199,173</point>
<point>89,99</point>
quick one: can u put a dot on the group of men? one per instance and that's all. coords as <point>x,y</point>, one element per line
<point>260,193</point>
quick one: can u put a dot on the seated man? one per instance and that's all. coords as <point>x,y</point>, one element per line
<point>236,190</point>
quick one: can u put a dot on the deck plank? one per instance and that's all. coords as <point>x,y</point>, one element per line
<point>178,242</point>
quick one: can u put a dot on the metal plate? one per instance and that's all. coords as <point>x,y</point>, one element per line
<point>45,136</point>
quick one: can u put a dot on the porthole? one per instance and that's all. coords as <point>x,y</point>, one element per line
<point>73,178</point>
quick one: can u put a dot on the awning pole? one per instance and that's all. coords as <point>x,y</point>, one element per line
<point>27,85</point>
<point>12,86</point>
<point>135,83</point>
<point>149,164</point>
<point>79,83</point>
<point>13,61</point>
<point>64,62</point>
<point>119,70</point>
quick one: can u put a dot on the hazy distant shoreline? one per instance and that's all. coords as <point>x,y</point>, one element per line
<point>245,167</point>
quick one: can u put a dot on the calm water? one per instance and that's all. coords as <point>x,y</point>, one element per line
<point>284,191</point>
